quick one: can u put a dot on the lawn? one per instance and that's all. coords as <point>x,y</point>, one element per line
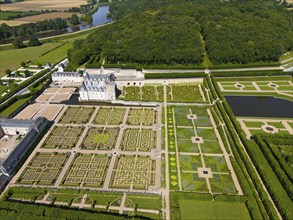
<point>11,59</point>
<point>12,108</point>
<point>146,201</point>
<point>54,56</point>
<point>102,198</point>
<point>191,209</point>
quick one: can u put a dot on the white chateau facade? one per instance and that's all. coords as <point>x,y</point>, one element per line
<point>93,87</point>
<point>98,87</point>
<point>67,77</point>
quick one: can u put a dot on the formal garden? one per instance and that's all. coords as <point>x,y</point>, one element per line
<point>63,137</point>
<point>87,170</point>
<point>200,158</point>
<point>184,93</point>
<point>133,172</point>
<point>76,115</point>
<point>154,93</point>
<point>110,116</point>
<point>280,86</point>
<point>100,139</point>
<point>43,169</point>
<point>138,140</point>
<point>142,116</point>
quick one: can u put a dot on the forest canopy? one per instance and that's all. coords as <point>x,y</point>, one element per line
<point>153,32</point>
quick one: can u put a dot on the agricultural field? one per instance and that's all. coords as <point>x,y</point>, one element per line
<point>87,170</point>
<point>7,15</point>
<point>63,137</point>
<point>34,17</point>
<point>134,172</point>
<point>46,16</point>
<point>141,116</point>
<point>43,169</point>
<point>153,93</point>
<point>100,138</point>
<point>252,126</point>
<point>111,116</point>
<point>39,5</point>
<point>280,86</point>
<point>76,115</point>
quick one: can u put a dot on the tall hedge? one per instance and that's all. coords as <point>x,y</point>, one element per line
<point>172,75</point>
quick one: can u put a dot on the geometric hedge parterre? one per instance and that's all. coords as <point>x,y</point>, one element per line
<point>63,137</point>
<point>87,170</point>
<point>43,169</point>
<point>76,115</point>
<point>134,172</point>
<point>141,116</point>
<point>100,138</point>
<point>111,116</point>
<point>141,139</point>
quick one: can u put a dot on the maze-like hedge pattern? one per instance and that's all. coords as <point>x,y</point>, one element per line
<point>100,138</point>
<point>43,169</point>
<point>143,140</point>
<point>184,93</point>
<point>76,115</point>
<point>131,93</point>
<point>63,137</point>
<point>152,93</point>
<point>133,172</point>
<point>87,170</point>
<point>141,116</point>
<point>112,116</point>
<point>143,93</point>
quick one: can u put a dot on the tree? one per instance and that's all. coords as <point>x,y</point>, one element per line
<point>88,19</point>
<point>17,43</point>
<point>40,66</point>
<point>23,64</point>
<point>27,73</point>
<point>33,41</point>
<point>74,19</point>
<point>8,72</point>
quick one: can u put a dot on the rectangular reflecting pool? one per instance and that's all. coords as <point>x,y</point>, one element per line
<point>260,106</point>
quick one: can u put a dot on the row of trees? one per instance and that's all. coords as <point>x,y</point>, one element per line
<point>180,32</point>
<point>31,28</point>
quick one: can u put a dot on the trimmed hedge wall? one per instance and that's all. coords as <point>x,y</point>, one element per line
<point>172,75</point>
<point>231,66</point>
<point>240,155</point>
<point>283,178</point>
<point>252,73</point>
<point>266,174</point>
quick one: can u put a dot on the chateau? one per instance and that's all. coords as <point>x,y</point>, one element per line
<point>93,87</point>
<point>97,87</point>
